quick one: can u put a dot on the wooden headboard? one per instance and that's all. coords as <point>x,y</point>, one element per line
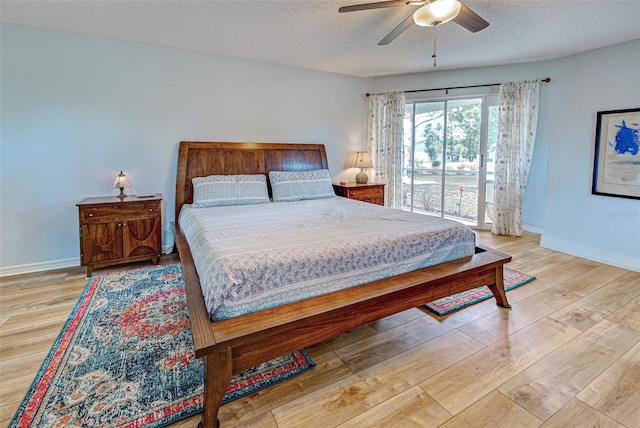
<point>201,159</point>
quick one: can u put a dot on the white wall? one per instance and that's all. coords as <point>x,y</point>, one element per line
<point>597,227</point>
<point>558,200</point>
<point>78,109</point>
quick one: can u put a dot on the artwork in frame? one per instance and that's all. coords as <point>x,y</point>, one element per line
<point>616,166</point>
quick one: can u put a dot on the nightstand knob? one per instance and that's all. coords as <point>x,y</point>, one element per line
<point>150,210</point>
<point>90,214</point>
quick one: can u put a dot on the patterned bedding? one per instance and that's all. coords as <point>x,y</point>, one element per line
<point>251,257</point>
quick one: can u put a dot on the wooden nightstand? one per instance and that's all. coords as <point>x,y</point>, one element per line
<point>114,231</point>
<point>370,192</point>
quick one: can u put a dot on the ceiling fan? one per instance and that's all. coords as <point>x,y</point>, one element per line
<point>431,13</point>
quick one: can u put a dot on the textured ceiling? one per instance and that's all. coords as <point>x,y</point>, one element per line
<point>312,34</point>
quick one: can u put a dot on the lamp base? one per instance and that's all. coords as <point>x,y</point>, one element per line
<point>362,177</point>
<point>121,195</point>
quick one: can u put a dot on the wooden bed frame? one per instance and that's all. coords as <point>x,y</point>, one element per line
<point>240,343</point>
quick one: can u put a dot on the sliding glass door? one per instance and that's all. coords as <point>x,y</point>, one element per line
<point>445,159</point>
<point>488,161</point>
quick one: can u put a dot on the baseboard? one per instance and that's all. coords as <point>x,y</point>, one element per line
<point>54,264</point>
<point>590,253</point>
<point>532,228</point>
<point>39,267</point>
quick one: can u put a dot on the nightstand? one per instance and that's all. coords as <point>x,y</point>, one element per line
<point>370,192</point>
<point>115,231</point>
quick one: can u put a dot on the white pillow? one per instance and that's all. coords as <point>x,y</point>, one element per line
<point>218,190</point>
<point>298,185</point>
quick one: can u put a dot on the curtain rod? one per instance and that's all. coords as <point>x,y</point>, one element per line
<point>546,80</point>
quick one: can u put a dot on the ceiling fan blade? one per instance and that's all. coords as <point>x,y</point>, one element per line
<point>397,31</point>
<point>367,6</point>
<point>470,20</point>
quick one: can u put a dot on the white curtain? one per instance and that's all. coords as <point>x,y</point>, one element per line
<point>516,137</point>
<point>384,143</point>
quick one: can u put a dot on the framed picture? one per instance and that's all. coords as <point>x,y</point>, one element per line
<point>616,165</point>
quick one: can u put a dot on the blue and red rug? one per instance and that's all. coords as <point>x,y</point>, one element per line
<point>446,305</point>
<point>124,359</point>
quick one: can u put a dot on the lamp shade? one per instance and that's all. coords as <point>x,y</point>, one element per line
<point>122,181</point>
<point>436,12</point>
<point>363,160</point>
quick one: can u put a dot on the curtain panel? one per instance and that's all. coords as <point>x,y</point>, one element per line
<point>384,143</point>
<point>517,133</point>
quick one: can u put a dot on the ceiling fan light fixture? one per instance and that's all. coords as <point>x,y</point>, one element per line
<point>436,12</point>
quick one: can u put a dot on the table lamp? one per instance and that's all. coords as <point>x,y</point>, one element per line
<point>363,160</point>
<point>121,182</point>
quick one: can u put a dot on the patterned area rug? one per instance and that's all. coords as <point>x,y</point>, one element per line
<point>512,279</point>
<point>124,358</point>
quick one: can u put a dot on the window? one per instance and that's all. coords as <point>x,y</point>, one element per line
<point>447,161</point>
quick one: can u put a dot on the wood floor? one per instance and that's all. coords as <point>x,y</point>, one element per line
<point>566,355</point>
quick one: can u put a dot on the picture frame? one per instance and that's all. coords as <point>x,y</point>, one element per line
<point>616,160</point>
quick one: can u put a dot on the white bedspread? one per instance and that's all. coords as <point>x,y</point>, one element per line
<point>250,257</point>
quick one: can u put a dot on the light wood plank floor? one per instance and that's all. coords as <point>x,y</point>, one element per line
<point>566,355</point>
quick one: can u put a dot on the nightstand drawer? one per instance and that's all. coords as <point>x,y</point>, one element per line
<point>372,192</point>
<point>109,213</point>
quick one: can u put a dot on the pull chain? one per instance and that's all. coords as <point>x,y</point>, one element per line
<point>435,39</point>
